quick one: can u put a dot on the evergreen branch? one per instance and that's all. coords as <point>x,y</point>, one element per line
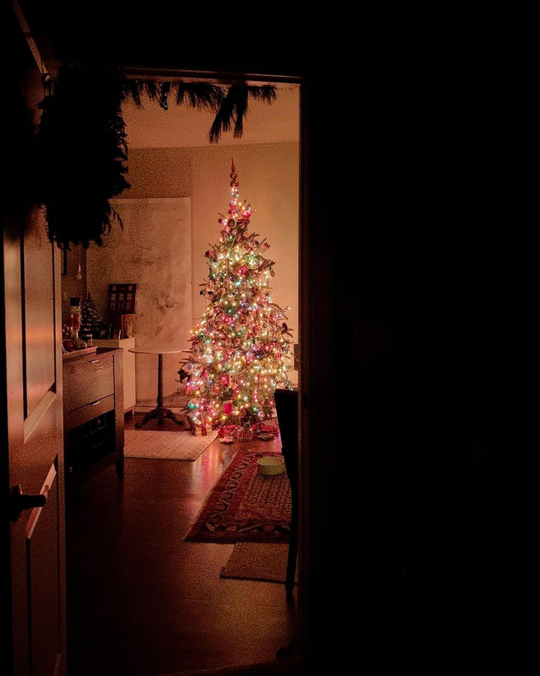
<point>133,89</point>
<point>265,93</point>
<point>66,183</point>
<point>241,109</point>
<point>259,247</point>
<point>234,108</point>
<point>251,236</point>
<point>199,95</point>
<point>152,90</point>
<point>224,117</point>
<point>266,264</point>
<point>97,93</point>
<point>164,95</point>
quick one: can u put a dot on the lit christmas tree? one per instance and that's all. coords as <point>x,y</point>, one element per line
<point>240,346</point>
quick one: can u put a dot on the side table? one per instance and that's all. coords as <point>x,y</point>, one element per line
<point>160,412</point>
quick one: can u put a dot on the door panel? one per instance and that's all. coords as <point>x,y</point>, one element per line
<point>38,308</point>
<point>42,557</point>
<point>35,460</point>
<point>31,388</point>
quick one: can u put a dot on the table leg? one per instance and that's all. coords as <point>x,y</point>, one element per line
<point>160,412</point>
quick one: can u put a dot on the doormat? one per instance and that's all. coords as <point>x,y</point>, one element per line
<point>245,506</point>
<point>165,445</point>
<point>258,561</point>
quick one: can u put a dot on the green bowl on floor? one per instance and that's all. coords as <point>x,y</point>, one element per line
<point>271,464</point>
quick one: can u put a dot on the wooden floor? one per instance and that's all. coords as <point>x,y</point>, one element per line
<point>141,601</point>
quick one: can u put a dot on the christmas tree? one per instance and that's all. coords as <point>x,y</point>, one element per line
<point>92,321</point>
<point>240,346</point>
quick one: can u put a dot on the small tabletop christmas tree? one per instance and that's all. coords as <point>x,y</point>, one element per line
<point>240,346</point>
<point>92,321</point>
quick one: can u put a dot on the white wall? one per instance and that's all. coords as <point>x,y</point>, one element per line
<point>268,175</point>
<point>153,250</point>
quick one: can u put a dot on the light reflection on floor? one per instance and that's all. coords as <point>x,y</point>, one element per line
<point>214,460</point>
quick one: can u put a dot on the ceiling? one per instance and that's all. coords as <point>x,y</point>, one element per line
<point>182,126</point>
<point>165,34</point>
<point>157,41</point>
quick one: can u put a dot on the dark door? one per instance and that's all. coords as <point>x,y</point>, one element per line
<point>31,389</point>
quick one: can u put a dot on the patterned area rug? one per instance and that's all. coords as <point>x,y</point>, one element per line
<point>245,506</point>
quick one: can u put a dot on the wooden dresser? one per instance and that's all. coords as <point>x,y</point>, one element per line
<point>93,413</point>
<point>128,369</point>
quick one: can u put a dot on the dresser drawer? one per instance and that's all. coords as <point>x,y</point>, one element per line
<point>82,415</point>
<point>93,414</point>
<point>87,380</point>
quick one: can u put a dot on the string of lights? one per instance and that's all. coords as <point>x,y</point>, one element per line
<point>240,348</point>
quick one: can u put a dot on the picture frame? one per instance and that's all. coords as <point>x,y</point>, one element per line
<point>122,299</point>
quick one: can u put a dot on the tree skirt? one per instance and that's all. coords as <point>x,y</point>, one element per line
<point>245,506</point>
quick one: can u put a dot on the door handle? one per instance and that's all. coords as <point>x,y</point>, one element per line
<point>21,502</point>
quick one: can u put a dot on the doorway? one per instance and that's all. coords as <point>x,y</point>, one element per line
<point>100,561</point>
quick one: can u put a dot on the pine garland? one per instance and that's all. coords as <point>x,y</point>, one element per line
<point>81,141</point>
<point>81,155</point>
<point>234,108</point>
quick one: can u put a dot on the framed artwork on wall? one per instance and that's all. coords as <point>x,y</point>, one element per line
<point>122,299</point>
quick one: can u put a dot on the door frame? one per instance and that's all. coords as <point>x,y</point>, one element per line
<point>311,285</point>
<point>315,370</point>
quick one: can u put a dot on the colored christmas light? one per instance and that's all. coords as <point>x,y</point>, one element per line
<point>240,346</point>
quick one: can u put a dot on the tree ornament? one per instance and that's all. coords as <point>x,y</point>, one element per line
<point>235,356</point>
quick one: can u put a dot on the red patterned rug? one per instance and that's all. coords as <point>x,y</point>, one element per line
<point>245,506</point>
